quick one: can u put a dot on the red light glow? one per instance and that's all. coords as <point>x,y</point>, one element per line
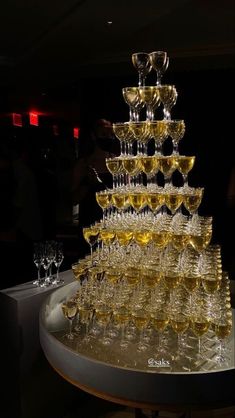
<point>17,119</point>
<point>76,133</point>
<point>33,118</point>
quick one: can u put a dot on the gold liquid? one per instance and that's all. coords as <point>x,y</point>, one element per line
<point>155,200</point>
<point>191,282</point>
<point>69,309</point>
<point>148,165</point>
<point>180,324</point>
<point>107,236</point>
<point>91,235</point>
<point>114,165</point>
<point>140,319</point>
<point>85,314</point>
<point>173,201</point>
<point>143,237</point>
<point>200,242</point>
<point>161,239</point>
<point>137,200</point>
<point>103,315</point>
<point>200,325</point>
<point>160,321</point>
<point>172,280</point>
<point>103,199</point>
<point>121,316</point>
<point>167,165</point>
<point>185,164</point>
<point>180,241</point>
<point>124,237</point>
<point>192,202</point>
<point>119,200</point>
<point>132,165</point>
<point>210,284</point>
<point>223,330</point>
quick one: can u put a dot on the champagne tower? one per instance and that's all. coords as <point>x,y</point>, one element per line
<point>155,282</point>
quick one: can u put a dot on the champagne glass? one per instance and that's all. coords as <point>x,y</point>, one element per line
<point>69,310</point>
<point>141,61</point>
<point>168,96</point>
<point>103,315</point>
<point>132,98</point>
<point>37,259</point>
<point>91,235</point>
<point>176,130</point>
<point>121,315</point>
<point>200,325</point>
<point>180,323</point>
<point>159,62</point>
<point>223,329</point>
<point>141,319</point>
<point>185,164</point>
<point>58,259</point>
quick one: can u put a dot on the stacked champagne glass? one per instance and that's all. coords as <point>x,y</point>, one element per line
<point>153,284</point>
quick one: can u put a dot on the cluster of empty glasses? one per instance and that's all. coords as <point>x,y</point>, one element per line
<point>46,255</point>
<point>142,308</point>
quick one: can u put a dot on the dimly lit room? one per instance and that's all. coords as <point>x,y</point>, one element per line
<point>117,205</point>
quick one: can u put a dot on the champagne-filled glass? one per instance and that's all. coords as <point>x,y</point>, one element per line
<point>91,236</point>
<point>176,130</point>
<point>185,164</point>
<point>168,96</point>
<point>69,310</point>
<point>141,62</point>
<point>132,98</point>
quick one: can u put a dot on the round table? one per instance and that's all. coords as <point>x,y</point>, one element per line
<point>150,388</point>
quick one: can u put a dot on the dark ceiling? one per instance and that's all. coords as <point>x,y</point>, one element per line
<point>50,42</point>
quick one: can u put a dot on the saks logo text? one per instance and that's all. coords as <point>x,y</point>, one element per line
<point>158,363</point>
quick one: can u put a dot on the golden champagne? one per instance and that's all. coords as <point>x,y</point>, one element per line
<point>180,324</point>
<point>173,201</point>
<point>148,164</point>
<point>167,94</point>
<point>142,237</point>
<point>223,330</point>
<point>185,164</point>
<point>107,236</point>
<point>191,281</point>
<point>113,275</point>
<point>121,315</point>
<point>69,309</point>
<point>140,318</point>
<point>192,201</point>
<point>91,235</point>
<point>150,277</point>
<point>211,284</point>
<point>172,279</point>
<point>103,315</point>
<point>132,165</point>
<point>79,270</point>
<point>119,200</point>
<point>124,237</point>
<point>159,320</point>
<point>167,165</point>
<point>200,325</point>
<point>137,200</point>
<point>149,95</point>
<point>121,130</point>
<point>180,241</point>
<point>131,95</point>
<point>103,199</point>
<point>85,313</point>
<point>200,242</point>
<point>155,201</point>
<point>114,165</point>
<point>161,239</point>
<point>132,276</point>
<point>176,129</point>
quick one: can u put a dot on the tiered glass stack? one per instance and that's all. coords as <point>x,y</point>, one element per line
<point>152,293</point>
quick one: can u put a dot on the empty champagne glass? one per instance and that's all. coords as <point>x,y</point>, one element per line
<point>58,259</point>
<point>141,61</point>
<point>159,62</point>
<point>37,259</point>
